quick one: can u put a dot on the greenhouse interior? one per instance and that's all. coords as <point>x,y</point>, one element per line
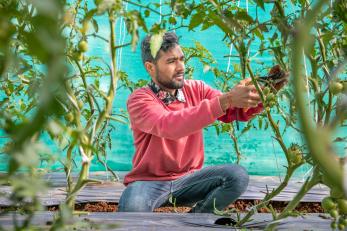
<point>172,114</point>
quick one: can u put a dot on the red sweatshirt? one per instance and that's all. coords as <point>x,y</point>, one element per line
<point>168,138</point>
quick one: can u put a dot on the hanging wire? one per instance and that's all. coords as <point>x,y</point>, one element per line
<point>231,47</point>
<point>247,12</point>
<point>119,23</point>
<point>121,36</point>
<point>306,78</point>
<point>160,11</point>
<point>309,171</point>
<point>278,169</point>
<point>123,39</point>
<point>229,59</point>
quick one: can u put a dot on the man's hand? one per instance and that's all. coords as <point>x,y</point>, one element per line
<point>243,95</point>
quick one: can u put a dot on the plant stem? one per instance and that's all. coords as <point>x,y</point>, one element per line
<point>328,109</point>
<point>113,72</point>
<point>274,126</point>
<point>267,198</point>
<point>317,139</point>
<point>68,168</point>
<point>307,186</point>
<point>82,179</point>
<point>142,6</point>
<point>90,98</point>
<point>236,146</point>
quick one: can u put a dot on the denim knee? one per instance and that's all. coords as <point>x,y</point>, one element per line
<point>143,196</point>
<point>135,204</point>
<point>237,176</point>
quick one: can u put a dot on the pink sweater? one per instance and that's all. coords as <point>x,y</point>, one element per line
<point>168,138</point>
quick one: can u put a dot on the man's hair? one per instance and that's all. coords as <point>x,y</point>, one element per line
<point>170,40</point>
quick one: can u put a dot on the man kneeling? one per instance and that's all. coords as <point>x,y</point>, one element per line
<point>167,118</point>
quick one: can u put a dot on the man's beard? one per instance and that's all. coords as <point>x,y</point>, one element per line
<point>170,84</point>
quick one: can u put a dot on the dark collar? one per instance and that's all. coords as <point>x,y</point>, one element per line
<point>165,96</point>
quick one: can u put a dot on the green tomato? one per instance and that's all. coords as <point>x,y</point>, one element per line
<point>334,213</point>
<point>69,117</point>
<point>98,2</point>
<point>147,13</point>
<point>85,27</point>
<point>77,55</point>
<point>335,88</point>
<point>297,158</point>
<point>270,97</point>
<point>266,91</point>
<point>328,204</point>
<point>83,46</point>
<point>84,139</point>
<point>272,103</point>
<point>172,20</point>
<point>291,155</point>
<point>341,226</point>
<point>8,92</point>
<point>342,205</point>
<point>343,221</point>
<point>333,225</point>
<point>80,104</point>
<point>295,154</point>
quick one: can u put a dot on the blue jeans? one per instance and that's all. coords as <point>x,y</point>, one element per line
<point>208,188</point>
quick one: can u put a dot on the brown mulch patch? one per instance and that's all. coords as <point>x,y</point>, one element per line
<point>169,209</point>
<point>239,206</point>
<point>303,207</point>
<point>101,206</point>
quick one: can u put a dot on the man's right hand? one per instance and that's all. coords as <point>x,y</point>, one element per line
<point>241,96</point>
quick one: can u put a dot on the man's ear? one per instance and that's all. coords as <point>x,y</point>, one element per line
<point>150,67</point>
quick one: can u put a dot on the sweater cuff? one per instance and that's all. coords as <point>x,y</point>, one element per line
<point>217,110</point>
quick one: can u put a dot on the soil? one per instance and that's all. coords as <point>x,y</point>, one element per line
<point>239,206</point>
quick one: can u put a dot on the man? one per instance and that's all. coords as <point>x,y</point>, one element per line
<point>167,118</point>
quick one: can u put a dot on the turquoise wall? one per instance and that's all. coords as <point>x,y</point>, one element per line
<point>261,153</point>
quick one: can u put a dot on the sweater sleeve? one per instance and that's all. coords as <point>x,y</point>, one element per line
<point>150,116</point>
<point>232,113</point>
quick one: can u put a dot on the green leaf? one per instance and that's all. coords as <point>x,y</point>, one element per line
<point>221,24</point>
<point>260,122</point>
<point>274,37</point>
<point>263,27</point>
<point>195,21</point>
<point>226,127</point>
<point>90,14</point>
<point>237,67</point>
<point>155,43</point>
<point>258,33</point>
<point>95,25</point>
<point>206,25</point>
<point>243,15</point>
<point>217,129</point>
<point>245,129</point>
<point>260,3</point>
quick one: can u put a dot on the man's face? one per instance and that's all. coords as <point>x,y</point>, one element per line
<point>168,71</point>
